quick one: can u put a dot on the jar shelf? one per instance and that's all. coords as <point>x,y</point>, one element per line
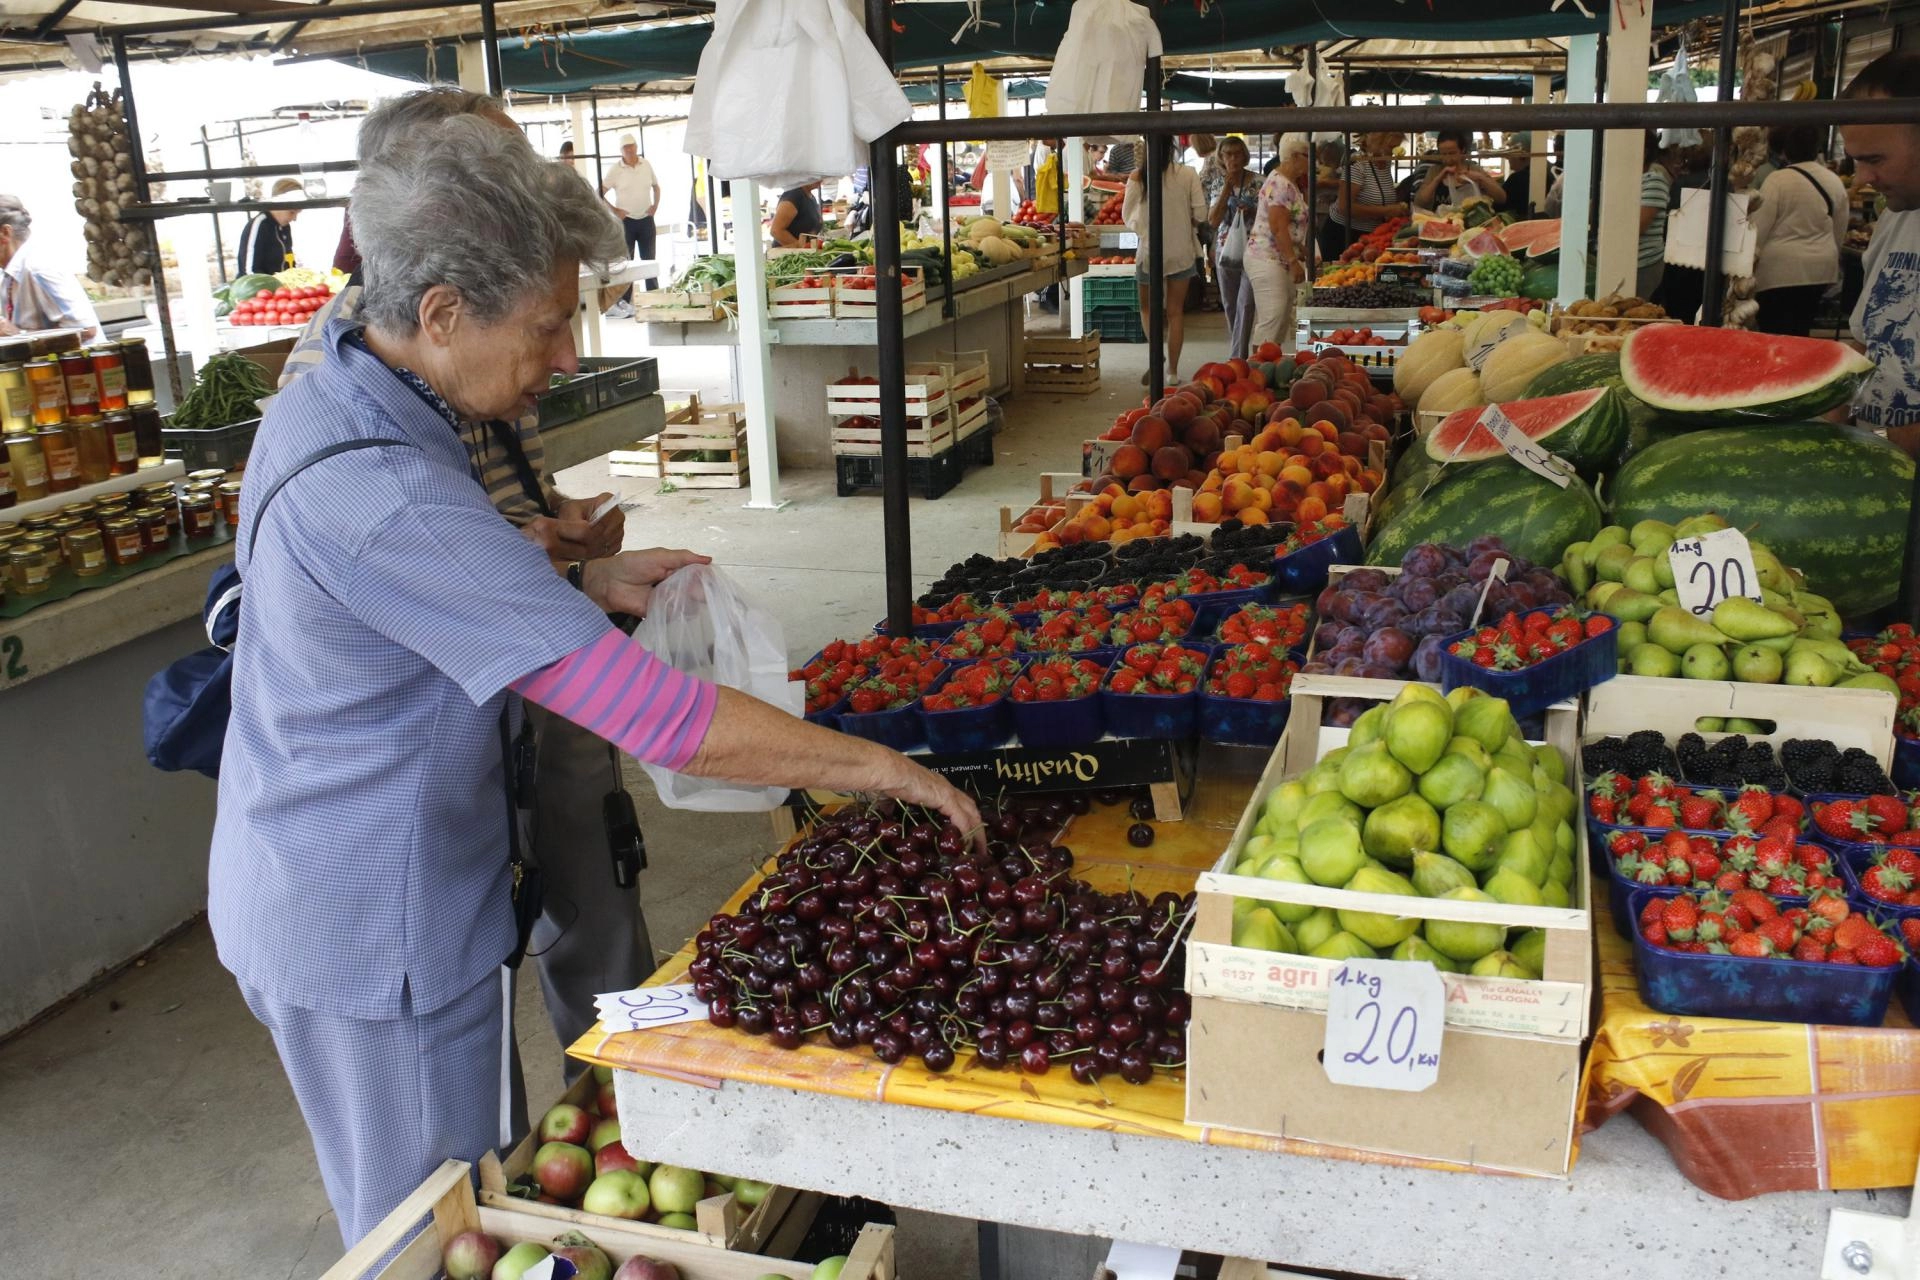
<point>172,469</point>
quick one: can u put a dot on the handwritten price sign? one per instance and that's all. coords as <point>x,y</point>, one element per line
<point>1713,567</point>
<point>649,1007</point>
<point>1384,1023</point>
<point>1523,450</point>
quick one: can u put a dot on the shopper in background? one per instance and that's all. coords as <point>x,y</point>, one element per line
<point>1656,195</point>
<point>1517,186</point>
<point>360,886</point>
<point>266,246</point>
<point>1182,208</point>
<point>1276,250</point>
<point>566,151</point>
<point>35,294</point>
<point>1452,179</point>
<point>797,219</point>
<point>1886,320</point>
<point>1364,195</point>
<point>1206,149</point>
<point>1798,229</point>
<point>1231,213</point>
<point>636,194</point>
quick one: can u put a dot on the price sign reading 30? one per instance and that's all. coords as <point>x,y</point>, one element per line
<point>1384,1023</point>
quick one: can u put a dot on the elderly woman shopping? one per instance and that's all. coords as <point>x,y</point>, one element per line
<point>363,872</point>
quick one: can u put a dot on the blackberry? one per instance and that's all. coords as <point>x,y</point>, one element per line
<point>1608,755</point>
<point>1860,774</point>
<point>1647,752</point>
<point>1691,750</point>
<point>1811,763</point>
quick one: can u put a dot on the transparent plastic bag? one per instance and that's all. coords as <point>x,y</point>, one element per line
<point>700,622</point>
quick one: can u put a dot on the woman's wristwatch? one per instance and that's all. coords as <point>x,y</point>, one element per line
<point>576,571</point>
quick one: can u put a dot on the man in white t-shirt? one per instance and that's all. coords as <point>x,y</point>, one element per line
<point>35,294</point>
<point>636,194</point>
<point>1886,321</point>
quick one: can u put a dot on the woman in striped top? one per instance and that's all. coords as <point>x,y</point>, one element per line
<point>1365,197</point>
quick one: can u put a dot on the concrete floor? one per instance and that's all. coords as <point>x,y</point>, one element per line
<point>146,1127</point>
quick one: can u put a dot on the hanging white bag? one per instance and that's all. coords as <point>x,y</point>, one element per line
<point>789,91</point>
<point>1101,65</point>
<point>698,621</point>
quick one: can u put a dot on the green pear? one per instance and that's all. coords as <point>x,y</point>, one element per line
<point>1261,930</point>
<point>1613,535</point>
<point>1742,619</point>
<point>1601,592</point>
<point>1435,873</point>
<point>1455,777</point>
<point>1548,757</point>
<point>1755,665</point>
<point>1530,950</point>
<point>1807,667</point>
<point>1509,886</point>
<point>1315,929</point>
<point>1871,680</point>
<point>1710,724</point>
<point>1330,851</point>
<point>1344,946</point>
<point>1282,867</point>
<point>1767,567</point>
<point>1329,804</point>
<point>1693,526</point>
<point>1417,949</point>
<point>1663,574</point>
<point>1630,605</point>
<point>1521,852</point>
<point>1500,964</point>
<point>1833,651</point>
<point>1462,941</point>
<point>1471,831</point>
<point>1823,620</point>
<point>1740,724</point>
<point>1472,750</point>
<point>1368,727</point>
<point>1398,828</point>
<point>1676,630</point>
<point>1704,662</point>
<point>1575,569</point>
<point>1630,636</point>
<point>1640,577</point>
<point>1513,798</point>
<point>1371,776</point>
<point>1670,598</point>
<point>1653,660</point>
<point>1487,721</point>
<point>1651,533</point>
<point>1378,929</point>
<point>1775,644</point>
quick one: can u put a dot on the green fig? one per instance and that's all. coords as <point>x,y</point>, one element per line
<point>1398,828</point>
<point>1530,950</point>
<point>1704,662</point>
<point>1372,722</point>
<point>1282,804</point>
<point>1630,605</point>
<point>1564,844</point>
<point>1330,851</point>
<point>1554,894</point>
<point>1676,630</point>
<point>1743,619</point>
<point>1371,776</point>
<point>1514,798</point>
<point>1417,732</point>
<point>1487,721</point>
<point>1500,964</point>
<point>1413,691</point>
<point>1320,781</point>
<point>1261,930</point>
<point>1378,929</point>
<point>1471,832</point>
<point>1557,798</point>
<point>1653,660</point>
<point>1418,949</point>
<point>1463,941</point>
<point>1521,852</point>
<point>1511,887</point>
<point>1435,873</point>
<point>1332,761</point>
<point>1453,779</point>
<point>1315,929</point>
<point>1282,867</point>
<point>1329,804</point>
<point>1481,757</point>
<point>1344,946</point>
<point>1548,757</point>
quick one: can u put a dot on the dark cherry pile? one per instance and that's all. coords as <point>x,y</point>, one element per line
<point>885,927</point>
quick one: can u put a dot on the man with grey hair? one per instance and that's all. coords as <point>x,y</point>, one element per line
<point>593,936</point>
<point>35,294</point>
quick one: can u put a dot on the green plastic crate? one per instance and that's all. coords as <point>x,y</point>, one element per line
<point>1116,324</point>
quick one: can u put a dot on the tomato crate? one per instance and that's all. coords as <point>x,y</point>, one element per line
<point>689,449</point>
<point>721,1221</point>
<point>968,373</point>
<point>800,301</point>
<point>1259,1017</point>
<point>855,300</point>
<point>925,388</point>
<point>1065,366</point>
<point>859,437</point>
<point>447,1199</point>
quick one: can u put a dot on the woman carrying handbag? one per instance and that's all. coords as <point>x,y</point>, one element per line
<point>1230,213</point>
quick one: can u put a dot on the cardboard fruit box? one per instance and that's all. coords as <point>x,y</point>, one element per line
<point>447,1196</point>
<point>1511,1054</point>
<point>723,1222</point>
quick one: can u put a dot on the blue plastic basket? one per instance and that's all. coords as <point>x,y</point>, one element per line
<point>1071,723</point>
<point>1909,987</point>
<point>1770,990</point>
<point>1620,890</point>
<point>1210,608</point>
<point>1152,715</point>
<point>1241,722</point>
<point>1211,631</point>
<point>968,728</point>
<point>901,728</point>
<point>1906,763</point>
<point>1304,572</point>
<point>1565,675</point>
<point>830,717</point>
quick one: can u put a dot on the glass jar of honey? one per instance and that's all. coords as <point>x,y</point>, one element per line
<point>126,544</point>
<point>148,442</point>
<point>125,441</point>
<point>94,447</point>
<point>29,568</point>
<point>83,384</point>
<point>229,492</point>
<point>205,478</point>
<point>138,370</point>
<point>16,399</point>
<point>155,528</point>
<point>196,513</point>
<point>7,496</point>
<point>64,527</point>
<point>49,391</point>
<point>62,453</point>
<point>110,371</point>
<point>86,552</point>
<point>29,465</point>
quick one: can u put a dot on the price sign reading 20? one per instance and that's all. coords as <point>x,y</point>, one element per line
<point>1384,1025</point>
<point>1712,567</point>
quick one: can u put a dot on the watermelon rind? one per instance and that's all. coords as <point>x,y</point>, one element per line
<point>1535,517</point>
<point>1830,501</point>
<point>1665,365</point>
<point>1586,427</point>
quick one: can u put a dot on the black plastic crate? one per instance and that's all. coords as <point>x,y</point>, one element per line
<point>930,477</point>
<point>619,379</point>
<point>1116,324</point>
<point>569,402</point>
<point>203,448</point>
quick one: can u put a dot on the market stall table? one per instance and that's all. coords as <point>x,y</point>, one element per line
<point>1119,1161</point>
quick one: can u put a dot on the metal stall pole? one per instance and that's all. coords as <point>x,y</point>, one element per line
<point>1714,302</point>
<point>1155,177</point>
<point>946,214</point>
<point>219,249</point>
<point>1313,176</point>
<point>600,174</point>
<point>137,152</point>
<point>490,50</point>
<point>884,163</point>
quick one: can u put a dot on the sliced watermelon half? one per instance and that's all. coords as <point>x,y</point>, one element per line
<point>1588,428</point>
<point>1536,238</point>
<point>1735,375</point>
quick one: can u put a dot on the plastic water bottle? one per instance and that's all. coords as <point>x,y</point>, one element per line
<point>313,180</point>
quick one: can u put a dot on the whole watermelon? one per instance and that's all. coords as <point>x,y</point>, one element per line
<point>1645,424</point>
<point>1534,516</point>
<point>1830,501</point>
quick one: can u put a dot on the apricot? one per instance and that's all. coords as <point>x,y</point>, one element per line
<point>1252,515</point>
<point>1268,463</point>
<point>1126,508</point>
<point>1313,445</point>
<point>1143,484</point>
<point>1309,510</point>
<point>1207,507</point>
<point>1296,474</point>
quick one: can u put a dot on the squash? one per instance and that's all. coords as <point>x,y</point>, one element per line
<point>1488,332</point>
<point>1426,358</point>
<point>999,250</point>
<point>1453,390</point>
<point>982,228</point>
<point>1513,364</point>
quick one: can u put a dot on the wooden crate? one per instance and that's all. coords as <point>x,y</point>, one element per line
<point>969,416</point>
<point>1054,495</point>
<point>1259,1019</point>
<point>447,1197</point>
<point>722,1220</point>
<point>1862,718</point>
<point>967,373</point>
<point>856,303</point>
<point>682,305</point>
<point>692,429</point>
<point>925,387</point>
<point>1069,366</point>
<point>797,302</point>
<point>925,438</point>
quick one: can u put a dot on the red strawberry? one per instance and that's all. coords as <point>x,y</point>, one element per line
<point>1780,828</point>
<point>1598,624</point>
<point>1810,949</point>
<point>1849,933</point>
<point>1887,883</point>
<point>1655,933</point>
<point>1660,815</point>
<point>1904,861</point>
<point>1656,910</point>
<point>1889,813</point>
<point>1752,809</point>
<point>1910,932</point>
<point>1844,820</point>
<point>1780,933</point>
<point>1758,906</point>
<point>1878,952</point>
<point>1699,810</point>
<point>1604,808</point>
<point>1704,861</point>
<point>1751,946</point>
<point>1841,955</point>
<point>1790,808</point>
<point>1680,916</point>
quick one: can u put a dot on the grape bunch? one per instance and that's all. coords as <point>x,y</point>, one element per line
<point>886,927</point>
<point>1497,274</point>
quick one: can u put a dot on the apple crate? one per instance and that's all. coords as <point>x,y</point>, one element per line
<point>691,430</point>
<point>665,306</point>
<point>722,1221</point>
<point>447,1198</point>
<point>799,301</point>
<point>1508,1090</point>
<point>1067,366</point>
<point>925,388</point>
<point>855,300</point>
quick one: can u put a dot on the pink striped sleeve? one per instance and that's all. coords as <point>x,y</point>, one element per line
<point>616,689</point>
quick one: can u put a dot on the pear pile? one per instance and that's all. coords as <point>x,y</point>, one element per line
<point>1789,636</point>
<point>1433,796</point>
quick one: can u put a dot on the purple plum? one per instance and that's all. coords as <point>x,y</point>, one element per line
<point>1488,542</point>
<point>1342,712</point>
<point>1426,658</point>
<point>1424,623</point>
<point>1461,599</point>
<point>1323,603</point>
<point>1389,646</point>
<point>1348,667</point>
<point>1424,560</point>
<point>1382,611</point>
<point>1522,595</point>
<point>1365,580</point>
<point>1418,593</point>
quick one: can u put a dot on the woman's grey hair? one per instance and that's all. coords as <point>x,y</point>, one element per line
<point>468,204</point>
<point>1291,145</point>
<point>14,214</point>
<point>397,117</point>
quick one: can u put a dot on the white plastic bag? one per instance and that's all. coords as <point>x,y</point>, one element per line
<point>789,91</point>
<point>1101,65</point>
<point>699,622</point>
<point>1677,86</point>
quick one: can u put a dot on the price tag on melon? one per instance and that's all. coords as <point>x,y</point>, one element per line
<point>1522,450</point>
<point>1384,1023</point>
<point>1712,567</point>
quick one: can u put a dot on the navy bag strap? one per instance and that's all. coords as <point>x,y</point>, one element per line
<point>187,704</point>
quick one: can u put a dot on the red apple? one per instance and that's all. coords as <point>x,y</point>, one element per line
<point>603,1133</point>
<point>563,1169</point>
<point>566,1123</point>
<point>619,1194</point>
<point>588,1261</point>
<point>608,1105</point>
<point>614,1156</point>
<point>646,1269</point>
<point>470,1256</point>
